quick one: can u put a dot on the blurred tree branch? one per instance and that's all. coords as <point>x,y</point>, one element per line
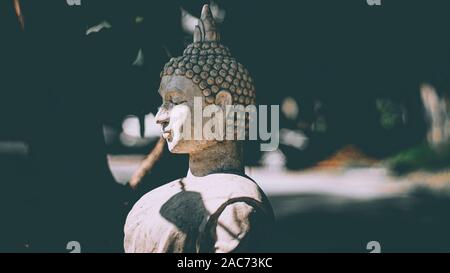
<point>19,14</point>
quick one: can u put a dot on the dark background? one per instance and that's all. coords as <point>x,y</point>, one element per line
<point>58,87</point>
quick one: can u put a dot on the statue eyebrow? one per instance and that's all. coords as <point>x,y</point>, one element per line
<point>172,91</point>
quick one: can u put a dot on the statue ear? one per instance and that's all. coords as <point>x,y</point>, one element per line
<point>223,98</point>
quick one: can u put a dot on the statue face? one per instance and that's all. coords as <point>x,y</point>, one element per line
<point>177,110</point>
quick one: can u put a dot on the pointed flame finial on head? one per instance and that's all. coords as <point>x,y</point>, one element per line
<point>206,30</point>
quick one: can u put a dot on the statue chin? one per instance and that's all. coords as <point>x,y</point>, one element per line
<point>178,145</point>
<point>171,140</point>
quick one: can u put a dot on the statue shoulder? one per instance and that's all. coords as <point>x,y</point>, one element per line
<point>237,186</point>
<point>144,221</point>
<point>163,189</point>
<point>231,188</point>
<point>155,196</point>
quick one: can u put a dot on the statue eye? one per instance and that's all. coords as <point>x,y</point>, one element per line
<point>173,98</point>
<point>177,101</point>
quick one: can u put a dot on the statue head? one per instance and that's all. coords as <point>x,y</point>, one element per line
<point>206,71</point>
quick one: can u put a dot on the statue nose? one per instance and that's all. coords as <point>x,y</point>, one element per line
<point>162,117</point>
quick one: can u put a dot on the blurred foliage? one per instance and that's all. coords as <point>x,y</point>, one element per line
<point>422,157</point>
<point>390,113</point>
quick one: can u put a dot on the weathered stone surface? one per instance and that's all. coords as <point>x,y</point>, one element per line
<point>187,215</point>
<point>215,208</point>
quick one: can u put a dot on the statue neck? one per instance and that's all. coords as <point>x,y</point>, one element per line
<point>224,157</point>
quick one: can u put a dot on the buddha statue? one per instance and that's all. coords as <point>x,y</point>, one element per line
<point>216,207</point>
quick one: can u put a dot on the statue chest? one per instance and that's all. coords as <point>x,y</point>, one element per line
<point>173,217</point>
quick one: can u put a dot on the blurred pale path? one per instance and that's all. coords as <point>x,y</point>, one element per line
<point>352,183</point>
